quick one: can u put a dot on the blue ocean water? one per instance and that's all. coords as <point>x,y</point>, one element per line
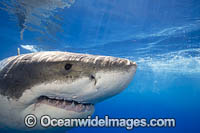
<point>162,37</point>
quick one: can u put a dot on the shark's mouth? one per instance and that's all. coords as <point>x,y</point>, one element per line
<point>65,104</point>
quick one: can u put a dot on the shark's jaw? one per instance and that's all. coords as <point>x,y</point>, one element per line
<point>62,85</point>
<point>74,100</point>
<point>62,103</point>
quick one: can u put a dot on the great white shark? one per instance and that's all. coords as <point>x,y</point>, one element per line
<point>58,84</point>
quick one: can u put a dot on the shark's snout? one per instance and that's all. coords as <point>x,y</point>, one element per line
<point>109,76</point>
<point>110,83</point>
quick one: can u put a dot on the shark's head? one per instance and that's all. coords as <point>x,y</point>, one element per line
<point>60,84</point>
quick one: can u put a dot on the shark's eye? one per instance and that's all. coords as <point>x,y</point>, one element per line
<point>68,66</point>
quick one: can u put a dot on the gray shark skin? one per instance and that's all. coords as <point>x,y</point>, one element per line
<point>58,84</point>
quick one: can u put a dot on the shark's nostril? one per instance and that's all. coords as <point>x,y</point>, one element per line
<point>93,78</point>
